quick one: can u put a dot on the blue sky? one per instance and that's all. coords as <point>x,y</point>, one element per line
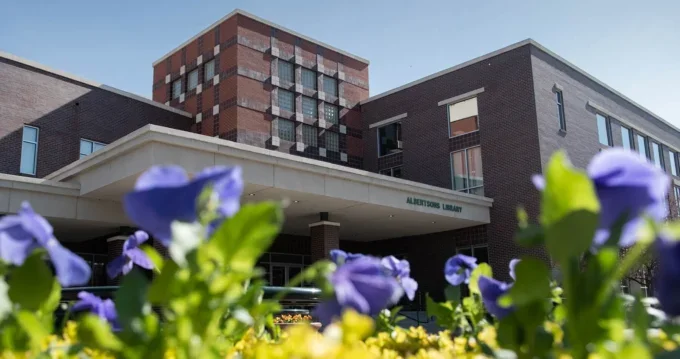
<point>632,46</point>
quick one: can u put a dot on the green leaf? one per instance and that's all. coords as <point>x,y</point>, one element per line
<point>572,235</point>
<point>482,269</point>
<point>31,284</point>
<point>5,302</point>
<point>32,326</point>
<point>452,293</point>
<point>185,238</point>
<point>530,236</point>
<point>155,258</point>
<point>532,283</point>
<point>161,289</point>
<point>443,313</point>
<point>509,332</point>
<point>639,319</point>
<point>242,239</point>
<point>566,190</point>
<point>96,333</point>
<point>130,298</point>
<point>52,301</point>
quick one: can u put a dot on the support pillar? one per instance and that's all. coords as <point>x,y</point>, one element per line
<point>325,236</point>
<point>114,249</point>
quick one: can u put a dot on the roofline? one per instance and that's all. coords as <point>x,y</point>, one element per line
<point>513,47</point>
<point>130,95</point>
<point>266,22</point>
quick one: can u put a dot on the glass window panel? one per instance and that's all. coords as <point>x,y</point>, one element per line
<point>389,137</point>
<point>28,157</point>
<point>176,88</point>
<point>286,130</point>
<point>97,146</point>
<point>474,162</point>
<point>625,138</point>
<point>672,156</point>
<point>641,145</point>
<point>209,70</point>
<point>286,258</point>
<point>309,135</point>
<point>459,170</point>
<point>192,80</point>
<point>292,272</point>
<point>309,79</point>
<point>286,71</point>
<point>602,130</point>
<point>330,86</point>
<point>30,134</point>
<point>560,110</point>
<point>465,251</point>
<point>85,148</point>
<point>479,191</point>
<point>386,172</point>
<point>396,172</point>
<point>657,155</point>
<point>332,141</point>
<point>463,117</point>
<point>463,126</point>
<point>309,107</point>
<point>278,274</point>
<point>286,100</point>
<point>482,254</point>
<point>330,113</point>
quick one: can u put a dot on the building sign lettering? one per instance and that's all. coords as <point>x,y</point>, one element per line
<point>432,204</point>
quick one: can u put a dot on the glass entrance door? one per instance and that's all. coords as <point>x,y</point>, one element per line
<point>281,273</point>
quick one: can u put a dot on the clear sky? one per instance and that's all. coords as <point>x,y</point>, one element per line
<point>633,46</point>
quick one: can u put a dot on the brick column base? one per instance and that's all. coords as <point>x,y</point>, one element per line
<point>114,248</point>
<point>325,236</point>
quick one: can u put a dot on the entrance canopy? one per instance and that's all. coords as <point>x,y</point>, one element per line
<point>367,205</point>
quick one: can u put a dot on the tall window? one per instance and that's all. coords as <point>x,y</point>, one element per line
<point>192,80</point>
<point>657,155</point>
<point>309,107</point>
<point>209,70</point>
<point>87,147</point>
<point>309,135</point>
<point>603,132</point>
<point>392,172</point>
<point>641,145</point>
<point>176,88</point>
<point>560,110</point>
<point>467,170</point>
<point>332,141</point>
<point>29,150</point>
<point>676,191</point>
<point>286,71</point>
<point>463,117</point>
<point>330,113</point>
<point>286,100</point>
<point>389,139</point>
<point>330,86</point>
<point>626,138</point>
<point>286,130</point>
<point>673,157</point>
<point>309,79</point>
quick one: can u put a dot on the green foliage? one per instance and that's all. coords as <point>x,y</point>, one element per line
<point>30,285</point>
<point>482,269</point>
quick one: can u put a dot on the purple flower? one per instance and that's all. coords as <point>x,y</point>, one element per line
<point>131,255</point>
<point>458,269</point>
<point>362,285</point>
<point>491,290</point>
<point>164,194</point>
<point>628,186</point>
<point>20,234</point>
<point>512,265</point>
<point>668,275</point>
<point>401,271</point>
<point>340,257</point>
<point>103,308</point>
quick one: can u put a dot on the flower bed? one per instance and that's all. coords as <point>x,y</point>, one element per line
<point>210,293</point>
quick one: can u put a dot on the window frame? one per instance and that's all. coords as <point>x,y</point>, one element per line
<point>278,98</point>
<point>561,115</point>
<point>647,153</point>
<point>391,170</point>
<point>172,95</point>
<point>316,138</point>
<point>377,133</point>
<point>673,157</point>
<point>278,129</point>
<point>658,152</point>
<point>467,170</point>
<point>335,87</point>
<point>292,70</point>
<point>608,129</point>
<point>35,154</point>
<point>194,71</point>
<point>336,111</point>
<point>316,106</point>
<point>315,77</point>
<point>91,142</point>
<point>631,138</point>
<point>326,134</point>
<point>448,116</point>
<point>205,68</point>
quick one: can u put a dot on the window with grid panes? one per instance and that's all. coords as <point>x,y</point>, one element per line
<point>176,88</point>
<point>309,135</point>
<point>467,171</point>
<point>29,150</point>
<point>330,113</point>
<point>286,71</point>
<point>309,107</point>
<point>286,130</point>
<point>309,79</point>
<point>286,100</point>
<point>208,70</point>
<point>332,141</point>
<point>192,80</point>
<point>87,147</point>
<point>330,86</point>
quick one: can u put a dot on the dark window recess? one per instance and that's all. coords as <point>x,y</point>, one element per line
<point>392,172</point>
<point>560,110</point>
<point>389,139</point>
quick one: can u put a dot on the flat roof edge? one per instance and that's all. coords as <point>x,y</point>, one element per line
<point>41,67</point>
<point>266,22</point>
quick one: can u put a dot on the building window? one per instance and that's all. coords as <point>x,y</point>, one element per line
<point>467,171</point>
<point>463,117</point>
<point>176,88</point>
<point>309,135</point>
<point>657,155</point>
<point>192,80</point>
<point>286,130</point>
<point>209,70</point>
<point>676,192</point>
<point>330,86</point>
<point>286,71</point>
<point>309,79</point>
<point>29,150</point>
<point>641,145</point>
<point>673,157</point>
<point>603,130</point>
<point>392,172</point>
<point>389,139</point>
<point>560,110</point>
<point>330,113</point>
<point>481,253</point>
<point>87,147</point>
<point>286,100</point>
<point>309,107</point>
<point>332,141</point>
<point>626,138</point>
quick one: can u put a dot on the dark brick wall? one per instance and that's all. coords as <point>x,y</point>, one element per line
<point>508,136</point>
<point>324,238</point>
<point>65,111</point>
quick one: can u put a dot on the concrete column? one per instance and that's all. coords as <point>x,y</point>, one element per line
<point>325,236</point>
<point>114,248</point>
